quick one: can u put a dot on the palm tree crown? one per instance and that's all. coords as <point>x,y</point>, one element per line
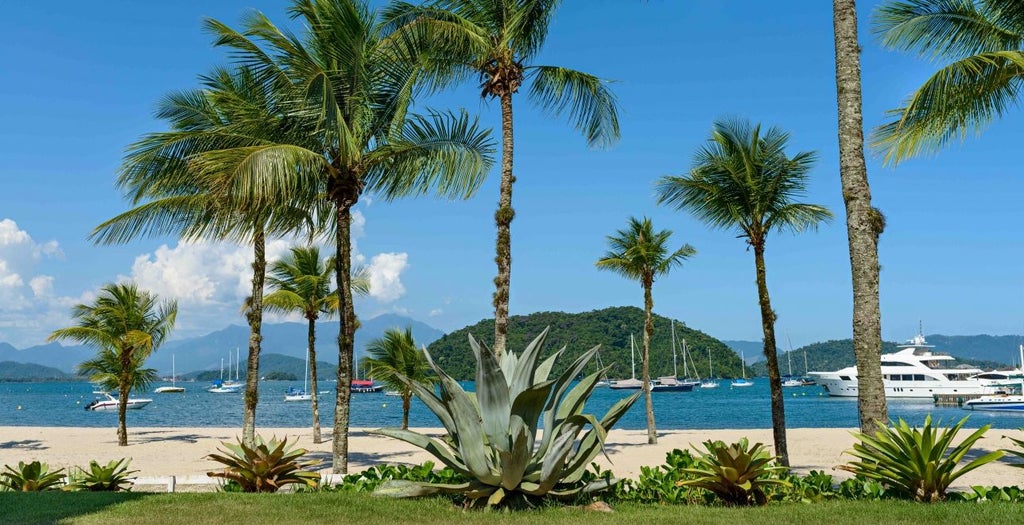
<point>984,41</point>
<point>641,254</point>
<point>395,361</point>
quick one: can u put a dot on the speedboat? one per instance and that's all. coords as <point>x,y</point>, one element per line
<point>998,403</point>
<point>111,403</point>
<point>913,372</point>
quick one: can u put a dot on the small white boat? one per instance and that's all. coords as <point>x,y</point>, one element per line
<point>393,393</point>
<point>110,403</point>
<point>632,383</point>
<point>743,382</point>
<point>224,387</point>
<point>792,382</point>
<point>174,388</point>
<point>294,394</point>
<point>709,382</point>
<point>1000,402</point>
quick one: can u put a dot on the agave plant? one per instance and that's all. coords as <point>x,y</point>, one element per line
<point>1019,451</point>
<point>112,477</point>
<point>913,463</point>
<point>266,466</point>
<point>738,473</point>
<point>492,436</point>
<point>31,477</point>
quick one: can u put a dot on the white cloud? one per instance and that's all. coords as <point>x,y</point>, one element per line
<point>28,309</point>
<point>386,276</point>
<point>42,286</point>
<point>436,312</point>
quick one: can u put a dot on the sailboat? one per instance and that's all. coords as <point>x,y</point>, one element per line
<point>791,381</point>
<point>633,383</point>
<point>300,395</point>
<point>236,384</point>
<point>739,383</point>
<point>695,382</point>
<point>672,383</point>
<point>709,382</point>
<point>219,386</point>
<point>806,380</point>
<point>174,388</point>
<point>603,381</point>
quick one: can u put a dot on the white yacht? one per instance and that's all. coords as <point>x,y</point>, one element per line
<point>912,372</point>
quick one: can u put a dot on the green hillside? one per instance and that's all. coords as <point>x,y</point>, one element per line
<point>12,371</point>
<point>278,364</point>
<point>579,332</point>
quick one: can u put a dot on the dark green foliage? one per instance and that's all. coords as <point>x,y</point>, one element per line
<point>264,467</point>
<point>112,477</point>
<point>861,488</point>
<point>279,376</point>
<point>31,477</point>
<point>913,463</point>
<point>609,328</point>
<point>660,484</point>
<point>1019,451</point>
<point>371,478</point>
<point>981,494</point>
<point>737,474</point>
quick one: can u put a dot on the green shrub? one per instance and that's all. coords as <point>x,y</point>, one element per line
<point>265,467</point>
<point>815,486</point>
<point>31,477</point>
<point>492,433</point>
<point>916,464</point>
<point>112,477</point>
<point>659,484</point>
<point>980,494</point>
<point>737,474</point>
<point>373,477</point>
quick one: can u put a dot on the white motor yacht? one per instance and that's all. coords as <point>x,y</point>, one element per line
<point>110,403</point>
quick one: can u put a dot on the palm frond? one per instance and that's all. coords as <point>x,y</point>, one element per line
<point>946,28</point>
<point>583,98</point>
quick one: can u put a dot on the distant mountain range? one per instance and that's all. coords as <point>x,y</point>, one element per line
<point>194,355</point>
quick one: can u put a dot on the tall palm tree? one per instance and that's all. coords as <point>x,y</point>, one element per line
<point>301,282</point>
<point>497,41</point>
<point>165,175</point>
<point>984,42</point>
<point>864,223</point>
<point>394,360</point>
<point>350,85</point>
<point>125,325</point>
<point>743,180</point>
<point>640,253</point>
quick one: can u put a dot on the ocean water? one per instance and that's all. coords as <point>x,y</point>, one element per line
<point>62,405</point>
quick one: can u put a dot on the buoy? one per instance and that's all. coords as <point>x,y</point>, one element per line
<point>19,407</point>
<point>383,405</point>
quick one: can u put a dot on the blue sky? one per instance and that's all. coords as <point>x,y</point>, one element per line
<point>82,80</point>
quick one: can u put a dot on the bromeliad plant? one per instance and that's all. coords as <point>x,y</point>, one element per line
<point>31,477</point>
<point>492,437</point>
<point>265,466</point>
<point>738,473</point>
<point>916,464</point>
<point>112,477</point>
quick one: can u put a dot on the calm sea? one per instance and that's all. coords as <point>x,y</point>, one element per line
<point>62,405</point>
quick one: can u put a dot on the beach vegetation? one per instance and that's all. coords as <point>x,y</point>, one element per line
<point>659,485</point>
<point>265,466</point>
<point>1018,451</point>
<point>639,253</point>
<point>31,477</point>
<point>370,479</point>
<point>743,180</point>
<point>125,325</point>
<point>491,434</point>
<point>496,43</point>
<point>394,360</point>
<point>914,463</point>
<point>112,477</point>
<point>737,473</point>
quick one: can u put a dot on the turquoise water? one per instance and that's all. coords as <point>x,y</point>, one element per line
<point>62,405</point>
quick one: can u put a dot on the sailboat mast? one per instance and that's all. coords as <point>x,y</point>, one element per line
<point>238,363</point>
<point>675,369</point>
<point>711,373</point>
<point>632,358</point>
<point>305,372</point>
<point>743,364</point>
<point>173,382</point>
<point>222,369</point>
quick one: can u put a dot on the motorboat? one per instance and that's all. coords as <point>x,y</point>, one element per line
<point>364,386</point>
<point>110,402</point>
<point>790,382</point>
<point>174,388</point>
<point>913,372</point>
<point>1004,402</point>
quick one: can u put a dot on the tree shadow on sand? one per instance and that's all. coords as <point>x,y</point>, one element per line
<point>25,444</point>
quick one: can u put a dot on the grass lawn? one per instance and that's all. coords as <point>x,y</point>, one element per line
<point>339,508</point>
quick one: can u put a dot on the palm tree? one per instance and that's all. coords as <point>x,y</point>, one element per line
<point>302,283</point>
<point>984,42</point>
<point>126,325</point>
<point>864,223</point>
<point>347,83</point>
<point>167,177</point>
<point>497,41</point>
<point>742,180</point>
<point>640,253</point>
<point>395,361</point>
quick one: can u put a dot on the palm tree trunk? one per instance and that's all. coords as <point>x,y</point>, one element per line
<point>652,432</point>
<point>503,218</point>
<point>254,315</point>
<point>772,359</point>
<point>406,404</point>
<point>862,221</point>
<point>347,316</point>
<point>311,339</point>
<point>123,389</point>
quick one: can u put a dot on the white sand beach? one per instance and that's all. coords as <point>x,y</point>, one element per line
<point>181,452</point>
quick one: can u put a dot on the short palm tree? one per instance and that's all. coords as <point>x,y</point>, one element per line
<point>642,254</point>
<point>496,41</point>
<point>743,180</point>
<point>984,43</point>
<point>301,282</point>
<point>394,360</point>
<point>350,86</point>
<point>125,325</point>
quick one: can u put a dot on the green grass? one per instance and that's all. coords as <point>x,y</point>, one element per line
<point>341,508</point>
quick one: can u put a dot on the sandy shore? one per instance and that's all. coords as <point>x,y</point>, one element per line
<point>181,451</point>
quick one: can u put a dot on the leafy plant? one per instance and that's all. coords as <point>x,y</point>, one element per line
<point>266,466</point>
<point>1019,451</point>
<point>659,484</point>
<point>112,477</point>
<point>492,434</point>
<point>373,477</point>
<point>980,494</point>
<point>31,477</point>
<point>917,464</point>
<point>738,474</point>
